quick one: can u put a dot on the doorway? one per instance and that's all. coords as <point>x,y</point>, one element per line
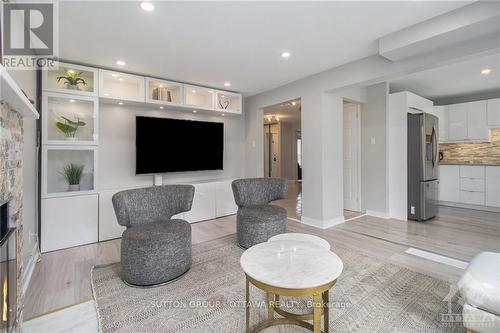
<point>352,156</point>
<point>283,151</point>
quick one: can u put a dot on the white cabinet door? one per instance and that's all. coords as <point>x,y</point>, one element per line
<point>494,112</point>
<point>108,225</point>
<point>224,197</point>
<point>441,111</point>
<point>69,221</point>
<point>493,186</point>
<point>472,171</point>
<point>203,207</point>
<point>449,183</point>
<point>472,198</point>
<point>457,122</point>
<point>477,123</point>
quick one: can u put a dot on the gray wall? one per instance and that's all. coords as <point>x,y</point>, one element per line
<point>117,147</point>
<point>26,79</point>
<point>374,155</point>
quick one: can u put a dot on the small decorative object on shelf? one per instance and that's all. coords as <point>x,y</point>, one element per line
<point>224,102</point>
<point>73,174</point>
<point>72,79</point>
<point>70,127</point>
<point>162,94</point>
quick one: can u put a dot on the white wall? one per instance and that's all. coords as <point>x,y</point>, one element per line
<point>117,147</point>
<point>26,79</point>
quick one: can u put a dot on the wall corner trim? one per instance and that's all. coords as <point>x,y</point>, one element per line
<point>30,267</point>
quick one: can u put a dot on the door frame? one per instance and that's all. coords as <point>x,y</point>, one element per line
<point>357,123</point>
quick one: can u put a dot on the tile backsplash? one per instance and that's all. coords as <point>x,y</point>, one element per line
<point>473,153</point>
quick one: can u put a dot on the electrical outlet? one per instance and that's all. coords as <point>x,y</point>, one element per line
<point>412,210</point>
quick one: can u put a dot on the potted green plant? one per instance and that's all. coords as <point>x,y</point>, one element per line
<point>72,79</point>
<point>72,173</point>
<point>69,127</point>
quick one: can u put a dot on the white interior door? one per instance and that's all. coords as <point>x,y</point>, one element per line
<point>352,190</point>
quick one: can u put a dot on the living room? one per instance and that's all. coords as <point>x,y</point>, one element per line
<point>138,189</point>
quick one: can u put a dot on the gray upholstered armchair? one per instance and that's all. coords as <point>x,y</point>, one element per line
<point>257,220</point>
<point>155,248</point>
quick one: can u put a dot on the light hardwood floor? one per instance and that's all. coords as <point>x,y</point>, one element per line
<point>62,277</point>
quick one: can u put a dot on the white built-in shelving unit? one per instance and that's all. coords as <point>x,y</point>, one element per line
<point>71,216</point>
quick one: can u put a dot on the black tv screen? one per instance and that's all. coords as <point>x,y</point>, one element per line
<point>172,145</point>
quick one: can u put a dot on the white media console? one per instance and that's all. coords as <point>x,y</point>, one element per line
<point>212,198</point>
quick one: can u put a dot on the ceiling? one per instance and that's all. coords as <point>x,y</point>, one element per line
<point>209,43</point>
<point>459,79</point>
<point>286,112</point>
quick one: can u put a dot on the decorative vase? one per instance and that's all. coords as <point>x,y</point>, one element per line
<point>71,138</point>
<point>73,86</point>
<point>74,187</point>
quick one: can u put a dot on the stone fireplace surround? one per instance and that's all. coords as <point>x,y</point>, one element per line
<point>11,190</point>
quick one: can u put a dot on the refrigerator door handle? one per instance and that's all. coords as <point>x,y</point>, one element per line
<point>434,147</point>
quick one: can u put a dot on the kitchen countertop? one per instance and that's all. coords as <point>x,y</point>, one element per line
<point>472,164</point>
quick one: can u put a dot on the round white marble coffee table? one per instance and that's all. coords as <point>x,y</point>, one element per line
<point>292,236</point>
<point>291,268</point>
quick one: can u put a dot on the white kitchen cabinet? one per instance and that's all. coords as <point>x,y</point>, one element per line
<point>472,197</point>
<point>441,111</point>
<point>449,183</point>
<point>477,121</point>
<point>457,122</point>
<point>69,221</point>
<point>493,186</point>
<point>472,171</point>
<point>468,121</point>
<point>493,107</point>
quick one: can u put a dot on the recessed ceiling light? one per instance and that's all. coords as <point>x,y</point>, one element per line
<point>227,84</point>
<point>120,63</point>
<point>285,54</point>
<point>147,6</point>
<point>114,75</point>
<point>120,79</point>
<point>161,107</point>
<point>120,103</point>
<point>223,114</point>
<point>486,71</point>
<point>72,100</point>
<point>194,111</point>
<point>210,91</point>
<point>293,103</point>
<point>193,91</point>
<point>161,85</point>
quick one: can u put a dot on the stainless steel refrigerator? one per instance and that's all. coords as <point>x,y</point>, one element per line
<point>423,163</point>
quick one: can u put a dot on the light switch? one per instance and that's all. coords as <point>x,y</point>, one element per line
<point>372,141</point>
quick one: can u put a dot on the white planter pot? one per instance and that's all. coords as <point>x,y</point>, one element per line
<point>73,188</point>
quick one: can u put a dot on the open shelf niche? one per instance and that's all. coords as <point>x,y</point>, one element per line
<point>71,79</point>
<point>164,92</point>
<point>58,158</point>
<point>199,97</point>
<point>121,86</point>
<point>70,119</point>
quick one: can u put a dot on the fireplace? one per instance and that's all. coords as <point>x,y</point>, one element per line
<point>8,272</point>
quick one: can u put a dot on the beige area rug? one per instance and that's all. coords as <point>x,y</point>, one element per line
<point>370,296</point>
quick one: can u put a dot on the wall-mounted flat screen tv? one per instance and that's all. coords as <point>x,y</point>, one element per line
<point>173,145</point>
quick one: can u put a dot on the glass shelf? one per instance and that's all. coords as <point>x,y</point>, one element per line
<point>120,86</point>
<point>164,92</point>
<point>54,79</point>
<point>70,119</point>
<point>57,159</point>
<point>228,102</point>
<point>199,97</point>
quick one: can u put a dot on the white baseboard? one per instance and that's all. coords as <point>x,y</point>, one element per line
<point>322,224</point>
<point>375,213</point>
<point>469,206</point>
<point>30,267</point>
